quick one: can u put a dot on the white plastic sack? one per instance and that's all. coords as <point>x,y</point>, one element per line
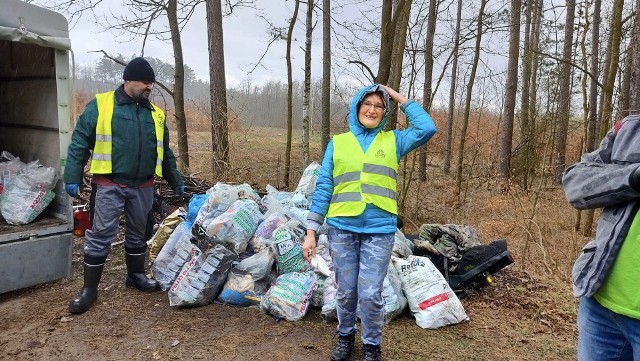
<point>200,281</point>
<point>328,312</point>
<point>28,193</point>
<point>263,236</point>
<point>287,248</point>
<point>289,297</point>
<point>307,184</point>
<point>9,167</point>
<point>177,251</point>
<point>236,225</point>
<point>402,247</point>
<point>431,300</point>
<point>249,280</point>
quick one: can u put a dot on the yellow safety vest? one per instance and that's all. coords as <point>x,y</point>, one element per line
<point>360,178</point>
<point>101,162</point>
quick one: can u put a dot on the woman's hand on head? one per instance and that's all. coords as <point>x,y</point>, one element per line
<point>395,96</point>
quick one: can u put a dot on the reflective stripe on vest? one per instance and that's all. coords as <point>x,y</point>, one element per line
<point>101,160</point>
<point>360,178</point>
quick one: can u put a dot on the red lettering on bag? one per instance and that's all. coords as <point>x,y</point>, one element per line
<point>38,198</point>
<point>433,301</point>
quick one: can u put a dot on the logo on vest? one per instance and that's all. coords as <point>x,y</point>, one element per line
<point>380,154</point>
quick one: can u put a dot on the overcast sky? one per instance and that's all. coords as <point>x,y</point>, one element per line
<point>245,40</point>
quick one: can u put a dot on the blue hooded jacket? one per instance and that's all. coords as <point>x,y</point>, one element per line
<point>373,220</point>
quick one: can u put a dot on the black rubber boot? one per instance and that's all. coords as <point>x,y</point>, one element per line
<point>371,352</point>
<point>343,348</point>
<point>93,267</point>
<point>136,278</point>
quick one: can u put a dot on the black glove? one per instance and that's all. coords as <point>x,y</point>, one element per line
<point>634,179</point>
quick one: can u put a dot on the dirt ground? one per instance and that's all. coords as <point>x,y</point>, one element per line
<point>516,318</point>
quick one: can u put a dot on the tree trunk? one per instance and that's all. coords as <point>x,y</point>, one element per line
<point>217,89</point>
<point>395,74</point>
<point>614,53</point>
<point>287,154</point>
<point>592,132</point>
<point>525,159</point>
<point>511,88</point>
<point>307,85</point>
<point>564,96</point>
<point>634,54</point>
<point>388,23</point>
<point>428,79</point>
<point>178,89</point>
<point>452,94</point>
<point>326,73</point>
<point>467,105</point>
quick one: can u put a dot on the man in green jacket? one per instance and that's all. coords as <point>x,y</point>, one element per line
<point>129,144</point>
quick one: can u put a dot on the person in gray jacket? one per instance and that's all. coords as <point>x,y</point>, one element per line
<point>606,276</point>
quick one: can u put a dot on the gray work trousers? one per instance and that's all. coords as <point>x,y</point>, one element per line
<point>110,202</point>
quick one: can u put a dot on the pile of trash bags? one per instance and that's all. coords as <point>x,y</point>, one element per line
<point>26,189</point>
<point>235,247</point>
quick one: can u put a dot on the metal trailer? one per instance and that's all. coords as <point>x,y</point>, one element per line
<point>35,124</point>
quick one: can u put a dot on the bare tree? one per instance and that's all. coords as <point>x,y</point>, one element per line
<point>326,73</point>
<point>217,89</point>
<point>452,93</point>
<point>467,104</point>
<point>511,88</point>
<point>523,162</point>
<point>592,120</point>
<point>564,94</point>
<point>592,128</point>
<point>428,78</point>
<point>610,74</point>
<point>634,54</point>
<point>395,74</point>
<point>387,38</point>
<point>287,155</point>
<point>307,84</point>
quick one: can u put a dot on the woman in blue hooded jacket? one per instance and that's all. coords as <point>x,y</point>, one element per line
<point>356,194</point>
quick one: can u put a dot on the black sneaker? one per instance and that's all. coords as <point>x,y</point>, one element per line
<point>371,352</point>
<point>344,347</point>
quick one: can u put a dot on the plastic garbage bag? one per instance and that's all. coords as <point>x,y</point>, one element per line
<point>249,280</point>
<point>9,167</point>
<point>290,295</point>
<point>177,251</point>
<point>163,233</point>
<point>236,225</point>
<point>263,236</point>
<point>328,312</point>
<point>431,300</point>
<point>28,193</point>
<point>402,247</point>
<point>287,248</point>
<point>202,278</point>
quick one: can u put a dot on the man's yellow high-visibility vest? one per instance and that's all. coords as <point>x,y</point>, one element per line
<point>101,159</point>
<point>360,178</point>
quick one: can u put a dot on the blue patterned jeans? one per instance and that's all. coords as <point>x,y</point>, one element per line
<point>361,262</point>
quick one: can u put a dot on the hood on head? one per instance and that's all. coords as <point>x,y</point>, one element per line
<point>354,124</point>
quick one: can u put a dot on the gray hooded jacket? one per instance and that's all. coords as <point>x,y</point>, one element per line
<point>602,180</point>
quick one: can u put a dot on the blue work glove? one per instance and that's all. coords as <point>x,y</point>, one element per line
<point>72,189</point>
<point>179,191</point>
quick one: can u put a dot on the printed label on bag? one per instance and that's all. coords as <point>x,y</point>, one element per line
<point>433,301</point>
